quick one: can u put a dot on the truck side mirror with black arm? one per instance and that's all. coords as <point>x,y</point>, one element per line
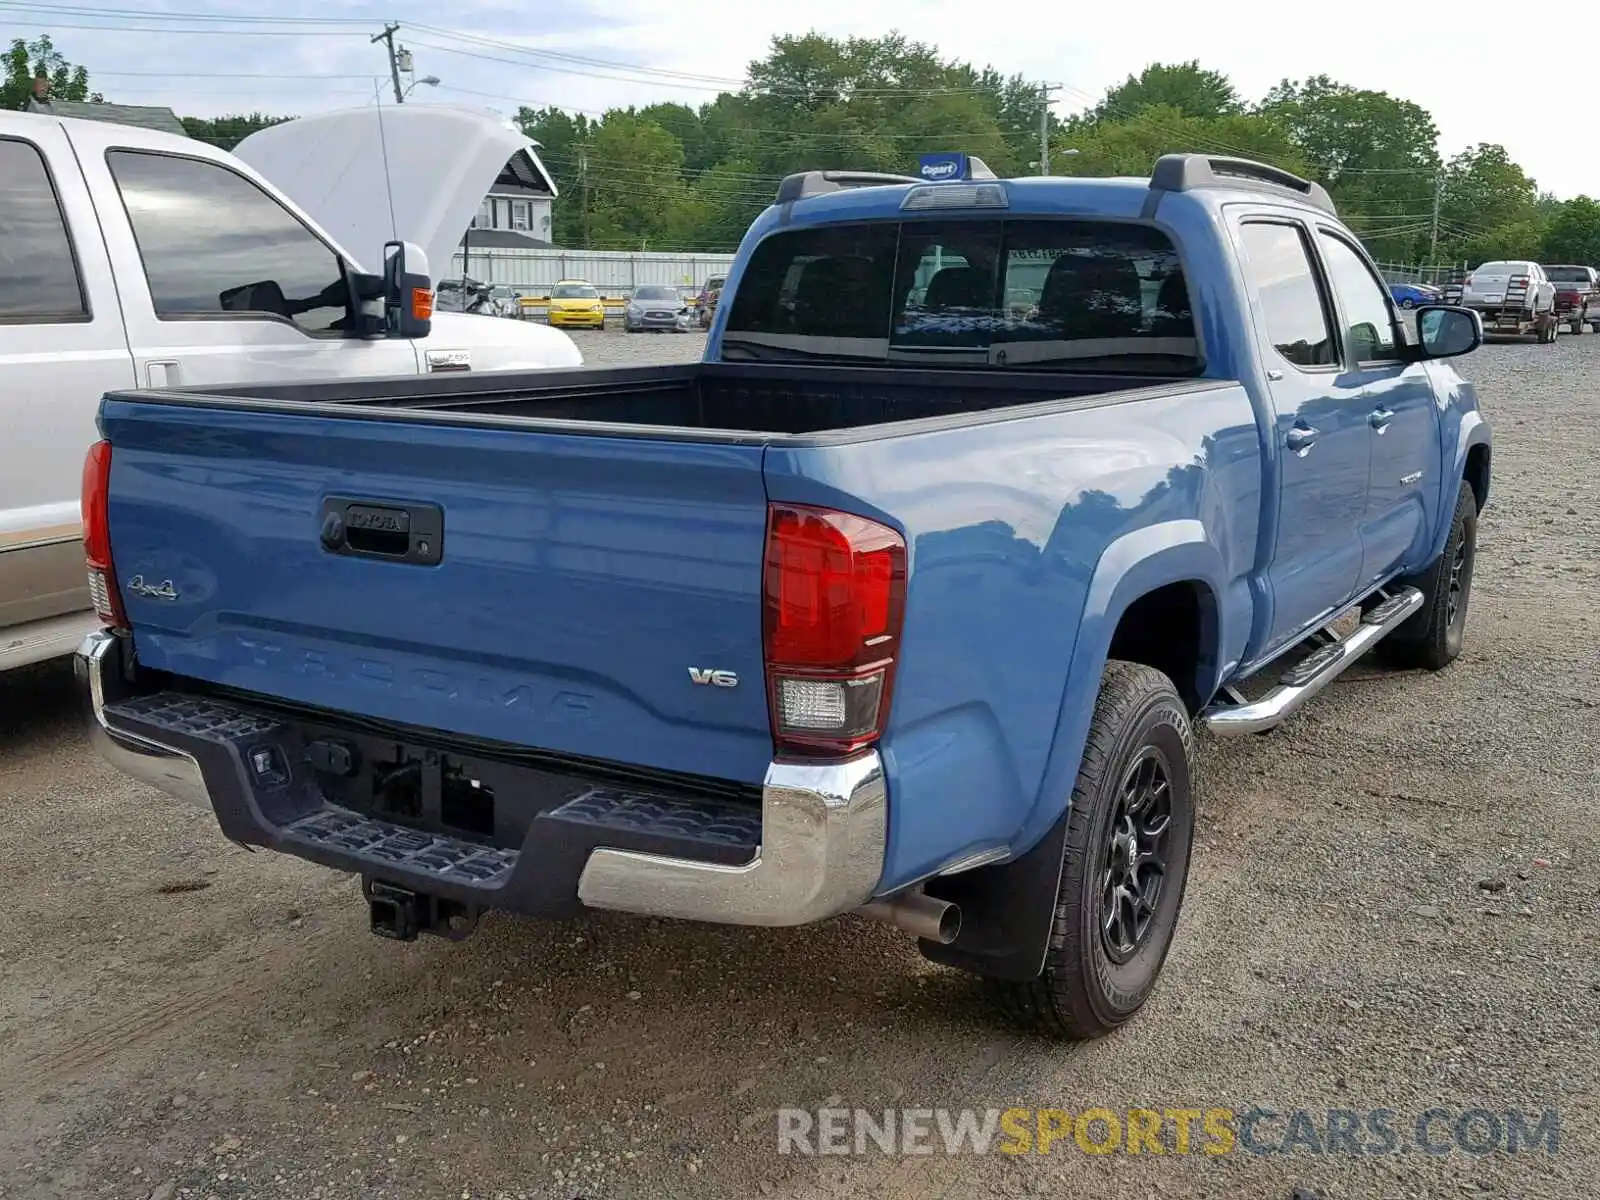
<point>407,291</point>
<point>1445,331</point>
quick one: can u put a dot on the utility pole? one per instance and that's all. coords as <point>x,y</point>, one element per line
<point>583,179</point>
<point>1433,237</point>
<point>1044,125</point>
<point>387,38</point>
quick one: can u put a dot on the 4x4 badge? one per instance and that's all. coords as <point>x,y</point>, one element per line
<point>161,591</point>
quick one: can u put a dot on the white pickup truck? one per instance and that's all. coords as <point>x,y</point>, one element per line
<point>130,258</point>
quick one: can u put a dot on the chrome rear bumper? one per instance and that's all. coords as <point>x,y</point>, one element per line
<point>823,833</point>
<point>98,664</point>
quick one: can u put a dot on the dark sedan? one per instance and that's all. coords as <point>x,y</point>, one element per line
<point>654,307</point>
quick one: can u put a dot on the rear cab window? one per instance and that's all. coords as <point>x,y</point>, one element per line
<point>1057,294</point>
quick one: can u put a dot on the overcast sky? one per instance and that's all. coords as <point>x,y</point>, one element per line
<point>1459,67</point>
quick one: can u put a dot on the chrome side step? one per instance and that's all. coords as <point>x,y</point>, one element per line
<point>1311,674</point>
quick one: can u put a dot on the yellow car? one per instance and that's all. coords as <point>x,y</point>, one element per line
<point>574,303</point>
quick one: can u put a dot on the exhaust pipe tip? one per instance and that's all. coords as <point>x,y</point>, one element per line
<point>918,914</point>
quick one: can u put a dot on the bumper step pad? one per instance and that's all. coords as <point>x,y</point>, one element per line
<point>383,844</point>
<point>265,792</point>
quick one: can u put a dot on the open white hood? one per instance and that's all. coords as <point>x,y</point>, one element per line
<point>414,172</point>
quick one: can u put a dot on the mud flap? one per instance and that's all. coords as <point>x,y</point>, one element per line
<point>1006,912</point>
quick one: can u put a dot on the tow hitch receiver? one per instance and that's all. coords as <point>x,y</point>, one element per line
<point>401,914</point>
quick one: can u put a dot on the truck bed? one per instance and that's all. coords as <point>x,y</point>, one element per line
<point>705,401</point>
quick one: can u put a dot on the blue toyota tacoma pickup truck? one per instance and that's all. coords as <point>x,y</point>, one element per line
<point>909,599</point>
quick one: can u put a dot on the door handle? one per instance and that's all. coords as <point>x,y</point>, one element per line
<point>1379,418</point>
<point>1301,439</point>
<point>162,372</point>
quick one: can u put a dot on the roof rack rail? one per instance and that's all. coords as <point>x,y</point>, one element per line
<point>815,183</point>
<point>1187,172</point>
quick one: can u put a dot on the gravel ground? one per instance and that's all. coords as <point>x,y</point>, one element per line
<point>1394,906</point>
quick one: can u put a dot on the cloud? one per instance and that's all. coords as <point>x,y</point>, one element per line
<point>1085,48</point>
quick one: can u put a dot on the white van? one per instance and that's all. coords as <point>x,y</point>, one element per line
<point>130,258</point>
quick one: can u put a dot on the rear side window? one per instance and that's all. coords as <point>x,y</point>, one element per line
<point>39,281</point>
<point>1278,268</point>
<point>822,291</point>
<point>1040,293</point>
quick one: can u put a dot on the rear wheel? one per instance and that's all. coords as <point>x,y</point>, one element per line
<point>1433,637</point>
<point>1129,834</point>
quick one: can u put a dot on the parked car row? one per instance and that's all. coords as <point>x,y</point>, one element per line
<point>1518,296</point>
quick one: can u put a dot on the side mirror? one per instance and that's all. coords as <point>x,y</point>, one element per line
<point>1445,331</point>
<point>407,291</point>
<point>262,297</point>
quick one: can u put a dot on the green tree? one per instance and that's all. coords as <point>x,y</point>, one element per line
<point>1573,234</point>
<point>1131,147</point>
<point>25,61</point>
<point>227,132</point>
<point>1187,87</point>
<point>879,103</point>
<point>1488,206</point>
<point>1377,155</point>
<point>631,193</point>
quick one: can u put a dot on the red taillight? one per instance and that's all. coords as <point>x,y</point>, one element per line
<point>834,600</point>
<point>97,536</point>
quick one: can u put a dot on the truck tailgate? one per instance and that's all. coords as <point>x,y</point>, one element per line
<point>581,582</point>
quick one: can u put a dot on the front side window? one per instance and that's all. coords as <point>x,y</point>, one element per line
<point>1038,293</point>
<point>215,244</point>
<point>1278,268</point>
<point>38,274</point>
<point>1369,321</point>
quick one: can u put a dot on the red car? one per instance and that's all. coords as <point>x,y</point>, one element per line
<point>707,304</point>
<point>1577,296</point>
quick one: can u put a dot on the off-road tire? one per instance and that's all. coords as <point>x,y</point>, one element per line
<point>1082,992</point>
<point>1432,637</point>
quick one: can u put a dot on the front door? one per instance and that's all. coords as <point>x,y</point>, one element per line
<point>1403,493</point>
<point>221,282</point>
<point>1323,441</point>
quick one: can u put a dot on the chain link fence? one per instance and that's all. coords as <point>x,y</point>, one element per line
<point>1432,273</point>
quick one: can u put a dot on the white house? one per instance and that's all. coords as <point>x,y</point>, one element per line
<point>516,213</point>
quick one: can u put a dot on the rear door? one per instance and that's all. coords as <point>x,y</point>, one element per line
<point>222,282</point>
<point>1402,416</point>
<point>1322,439</point>
<point>577,594</point>
<point>61,347</point>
